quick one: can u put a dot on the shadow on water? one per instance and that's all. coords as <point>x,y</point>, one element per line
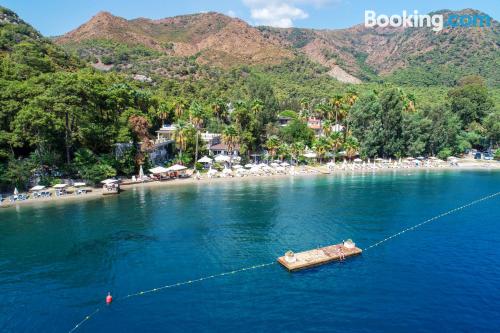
<point>99,245</point>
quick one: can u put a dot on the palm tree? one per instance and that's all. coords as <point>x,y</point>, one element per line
<point>349,100</point>
<point>163,111</point>
<point>196,116</point>
<point>179,107</point>
<point>219,109</point>
<point>230,139</point>
<point>180,136</point>
<point>336,103</point>
<point>297,149</point>
<point>335,142</point>
<point>326,127</point>
<point>272,145</point>
<point>351,147</point>
<point>321,146</point>
<point>283,151</point>
<point>257,106</point>
<point>305,104</point>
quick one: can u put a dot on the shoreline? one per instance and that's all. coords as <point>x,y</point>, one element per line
<point>307,171</point>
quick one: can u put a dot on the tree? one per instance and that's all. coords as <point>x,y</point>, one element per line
<point>179,108</point>
<point>321,146</point>
<point>230,139</point>
<point>18,172</point>
<point>492,125</point>
<point>219,110</point>
<point>91,167</point>
<point>470,100</point>
<point>180,136</point>
<point>336,141</point>
<point>296,149</point>
<point>283,151</point>
<point>140,127</point>
<point>272,145</point>
<point>163,111</point>
<point>351,147</point>
<point>196,115</point>
<point>296,130</point>
<point>326,127</point>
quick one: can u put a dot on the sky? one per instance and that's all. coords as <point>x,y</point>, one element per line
<point>56,17</point>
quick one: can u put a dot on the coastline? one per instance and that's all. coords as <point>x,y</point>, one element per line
<point>307,171</point>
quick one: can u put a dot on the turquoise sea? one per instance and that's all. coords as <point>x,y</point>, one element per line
<point>59,260</point>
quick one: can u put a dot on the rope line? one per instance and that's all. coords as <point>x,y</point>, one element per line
<point>84,320</point>
<point>173,285</point>
<point>178,284</point>
<point>472,203</point>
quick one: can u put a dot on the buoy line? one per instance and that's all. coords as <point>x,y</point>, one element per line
<point>178,284</point>
<point>173,285</point>
<point>472,203</point>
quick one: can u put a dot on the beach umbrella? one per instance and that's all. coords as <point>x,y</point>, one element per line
<point>285,164</point>
<point>16,192</point>
<point>222,158</point>
<point>58,186</point>
<point>177,167</point>
<point>409,158</point>
<point>358,160</point>
<point>275,165</point>
<point>452,158</point>
<point>158,170</point>
<point>378,159</point>
<point>141,172</point>
<point>37,188</point>
<point>79,184</point>
<point>310,155</point>
<point>330,163</point>
<point>109,181</point>
<point>249,166</point>
<point>237,166</point>
<point>433,158</point>
<point>205,159</point>
<point>420,158</point>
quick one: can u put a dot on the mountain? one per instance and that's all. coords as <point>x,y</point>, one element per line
<point>213,38</point>
<point>25,52</point>
<point>416,55</point>
<point>176,46</point>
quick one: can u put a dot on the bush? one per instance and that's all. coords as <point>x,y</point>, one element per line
<point>444,153</point>
<point>199,166</point>
<point>497,155</point>
<point>107,60</point>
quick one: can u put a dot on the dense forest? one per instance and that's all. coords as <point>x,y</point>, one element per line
<point>60,117</point>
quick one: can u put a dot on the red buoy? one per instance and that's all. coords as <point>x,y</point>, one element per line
<point>109,298</point>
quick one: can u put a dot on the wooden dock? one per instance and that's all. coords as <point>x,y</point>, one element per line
<point>320,256</point>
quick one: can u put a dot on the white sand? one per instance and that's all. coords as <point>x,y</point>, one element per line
<point>464,164</point>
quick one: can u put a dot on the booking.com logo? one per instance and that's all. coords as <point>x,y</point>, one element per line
<point>417,20</point>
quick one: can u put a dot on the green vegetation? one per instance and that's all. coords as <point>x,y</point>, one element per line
<point>59,117</point>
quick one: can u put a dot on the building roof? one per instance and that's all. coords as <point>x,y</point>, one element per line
<point>167,129</point>
<point>223,146</point>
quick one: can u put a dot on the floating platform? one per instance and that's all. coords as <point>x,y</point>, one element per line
<point>307,259</point>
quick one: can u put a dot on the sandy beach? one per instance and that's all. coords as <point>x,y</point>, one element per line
<point>302,171</point>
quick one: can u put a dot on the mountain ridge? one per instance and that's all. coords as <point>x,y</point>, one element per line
<point>351,55</point>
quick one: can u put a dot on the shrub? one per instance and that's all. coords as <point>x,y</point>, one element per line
<point>444,153</point>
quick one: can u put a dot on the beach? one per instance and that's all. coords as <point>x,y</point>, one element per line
<point>301,171</point>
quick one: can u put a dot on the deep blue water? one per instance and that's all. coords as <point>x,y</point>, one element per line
<point>58,261</point>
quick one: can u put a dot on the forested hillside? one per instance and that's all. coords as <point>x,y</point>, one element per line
<point>61,117</point>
